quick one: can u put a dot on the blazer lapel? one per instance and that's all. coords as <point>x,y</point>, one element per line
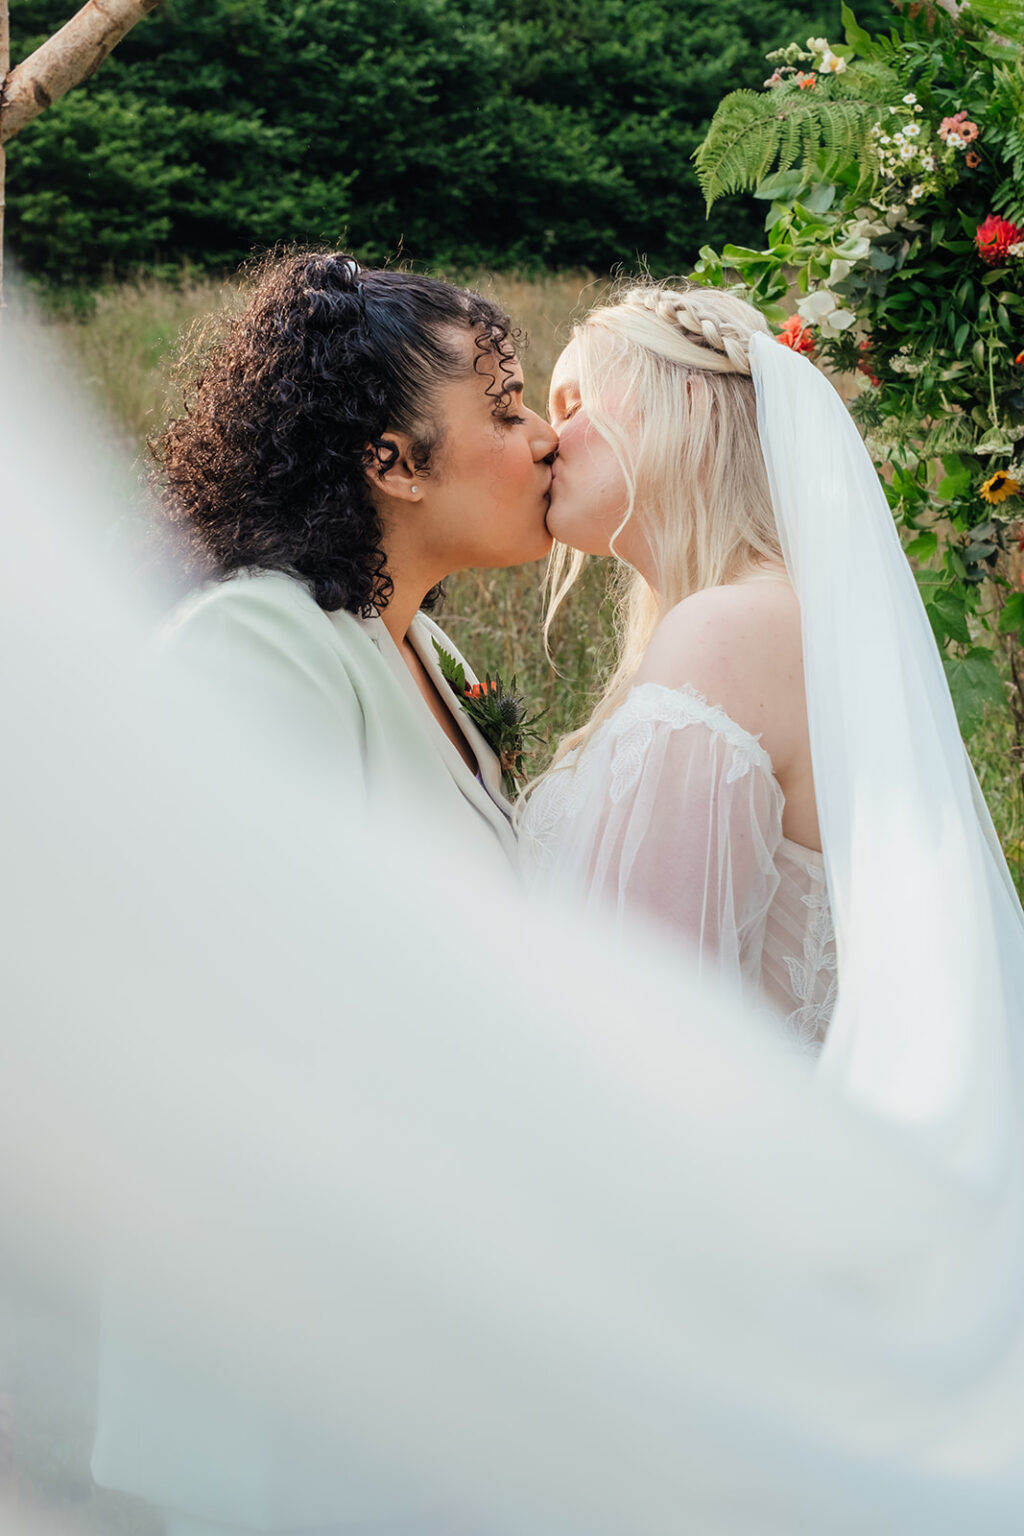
<point>422,634</point>
<point>485,793</point>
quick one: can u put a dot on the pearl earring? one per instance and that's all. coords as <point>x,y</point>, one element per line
<point>414,489</point>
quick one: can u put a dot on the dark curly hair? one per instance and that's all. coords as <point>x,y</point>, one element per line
<point>267,467</point>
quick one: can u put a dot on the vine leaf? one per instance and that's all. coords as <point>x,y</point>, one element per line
<point>975,684</point>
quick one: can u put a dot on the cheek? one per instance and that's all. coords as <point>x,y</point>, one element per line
<point>590,494</point>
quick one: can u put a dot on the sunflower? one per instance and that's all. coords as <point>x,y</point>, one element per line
<point>1000,485</point>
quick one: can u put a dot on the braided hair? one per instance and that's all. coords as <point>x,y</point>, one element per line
<point>718,323</point>
<point>295,400</point>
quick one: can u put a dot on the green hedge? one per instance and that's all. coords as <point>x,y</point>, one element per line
<point>554,132</point>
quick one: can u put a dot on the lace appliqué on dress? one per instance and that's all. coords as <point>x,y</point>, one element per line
<point>652,704</point>
<point>807,1024</point>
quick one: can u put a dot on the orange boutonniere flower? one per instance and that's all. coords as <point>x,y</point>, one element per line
<point>498,713</point>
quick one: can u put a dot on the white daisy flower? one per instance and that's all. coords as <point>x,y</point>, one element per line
<point>909,99</point>
<point>912,130</point>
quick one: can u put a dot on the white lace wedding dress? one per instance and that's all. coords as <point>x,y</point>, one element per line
<point>671,812</point>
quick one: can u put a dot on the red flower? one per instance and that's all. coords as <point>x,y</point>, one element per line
<point>994,237</point>
<point>797,336</point>
<point>1019,358</point>
<point>864,365</point>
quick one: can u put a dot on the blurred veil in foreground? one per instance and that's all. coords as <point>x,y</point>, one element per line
<point>406,1207</point>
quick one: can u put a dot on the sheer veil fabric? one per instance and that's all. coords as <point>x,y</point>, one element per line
<point>929,931</point>
<point>512,1222</point>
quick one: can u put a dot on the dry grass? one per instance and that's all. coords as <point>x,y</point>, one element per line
<point>128,342</point>
<point>127,345</point>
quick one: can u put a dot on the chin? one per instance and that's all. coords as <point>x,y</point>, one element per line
<point>560,529</point>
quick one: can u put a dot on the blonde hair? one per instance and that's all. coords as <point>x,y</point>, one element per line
<point>685,437</point>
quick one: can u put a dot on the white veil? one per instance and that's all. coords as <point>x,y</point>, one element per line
<point>497,1218</point>
<point>929,930</point>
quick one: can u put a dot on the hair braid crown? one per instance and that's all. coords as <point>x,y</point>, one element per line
<point>721,322</point>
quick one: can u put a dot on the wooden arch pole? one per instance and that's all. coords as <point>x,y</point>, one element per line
<point>5,64</point>
<point>69,56</point>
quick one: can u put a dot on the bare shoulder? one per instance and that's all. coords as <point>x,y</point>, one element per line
<point>740,647</point>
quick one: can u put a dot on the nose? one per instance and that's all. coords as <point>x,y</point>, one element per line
<point>543,438</point>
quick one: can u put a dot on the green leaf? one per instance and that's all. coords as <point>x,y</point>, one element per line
<point>452,671</point>
<point>1012,616</point>
<point>858,39</point>
<point>923,547</point>
<point>958,478</point>
<point>976,686</point>
<point>946,614</point>
<point>783,187</point>
<point>820,198</point>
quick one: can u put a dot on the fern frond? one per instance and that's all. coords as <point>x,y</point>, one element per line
<point>1004,16</point>
<point>752,134</point>
<point>1008,199</point>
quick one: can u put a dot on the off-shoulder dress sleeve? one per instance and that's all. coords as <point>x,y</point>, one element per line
<point>670,812</point>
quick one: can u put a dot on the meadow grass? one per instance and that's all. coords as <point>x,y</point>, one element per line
<point>126,341</point>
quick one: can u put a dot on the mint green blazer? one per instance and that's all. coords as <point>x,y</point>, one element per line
<point>330,700</point>
<point>333,694</point>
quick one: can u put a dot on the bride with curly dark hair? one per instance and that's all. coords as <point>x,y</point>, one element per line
<point>355,436</point>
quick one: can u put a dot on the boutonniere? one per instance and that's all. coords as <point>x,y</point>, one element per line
<point>499,714</point>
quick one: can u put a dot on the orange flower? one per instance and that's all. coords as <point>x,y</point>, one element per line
<point>973,159</point>
<point>1020,359</point>
<point>806,82</point>
<point>797,336</point>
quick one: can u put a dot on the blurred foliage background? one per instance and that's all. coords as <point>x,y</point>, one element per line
<point>555,133</point>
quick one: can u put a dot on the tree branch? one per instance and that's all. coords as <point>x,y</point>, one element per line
<point>70,55</point>
<point>5,64</point>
